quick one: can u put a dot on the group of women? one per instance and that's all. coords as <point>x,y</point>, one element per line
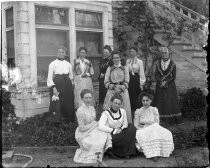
<point>120,93</point>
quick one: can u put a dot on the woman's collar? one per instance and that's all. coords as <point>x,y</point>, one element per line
<point>84,105</point>
<point>119,65</point>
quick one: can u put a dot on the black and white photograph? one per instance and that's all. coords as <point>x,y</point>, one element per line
<point>104,83</point>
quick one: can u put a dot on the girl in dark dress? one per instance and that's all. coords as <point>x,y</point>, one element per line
<point>106,62</point>
<point>137,78</point>
<point>60,77</point>
<point>114,121</point>
<point>166,99</point>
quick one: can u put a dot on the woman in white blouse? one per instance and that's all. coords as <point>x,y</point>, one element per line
<point>137,78</point>
<point>83,70</point>
<point>60,79</point>
<point>90,139</point>
<point>114,121</point>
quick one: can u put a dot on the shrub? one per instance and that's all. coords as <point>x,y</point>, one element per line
<point>193,104</point>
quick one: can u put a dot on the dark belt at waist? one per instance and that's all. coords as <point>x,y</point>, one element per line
<point>117,83</point>
<point>133,74</point>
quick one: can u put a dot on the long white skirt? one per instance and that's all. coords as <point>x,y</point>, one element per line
<point>90,142</point>
<point>154,140</point>
<point>80,84</point>
<point>125,104</point>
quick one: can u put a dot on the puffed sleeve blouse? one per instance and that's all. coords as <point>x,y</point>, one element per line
<point>110,121</point>
<point>58,67</point>
<point>146,116</point>
<point>136,66</point>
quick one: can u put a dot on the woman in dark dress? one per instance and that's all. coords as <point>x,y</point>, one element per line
<point>60,77</point>
<point>106,62</point>
<point>137,78</point>
<point>114,121</point>
<point>166,99</point>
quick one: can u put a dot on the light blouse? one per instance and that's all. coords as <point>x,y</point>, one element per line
<point>58,67</point>
<point>146,116</point>
<point>86,117</point>
<point>164,65</point>
<point>135,65</point>
<point>110,120</point>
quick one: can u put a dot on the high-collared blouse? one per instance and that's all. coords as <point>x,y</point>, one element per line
<point>105,63</point>
<point>86,116</point>
<point>58,67</point>
<point>164,65</point>
<point>83,66</point>
<point>146,116</point>
<point>117,75</point>
<point>135,65</point>
<point>110,120</point>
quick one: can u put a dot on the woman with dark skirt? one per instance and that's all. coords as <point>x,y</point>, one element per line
<point>137,78</point>
<point>114,121</point>
<point>60,77</point>
<point>166,99</point>
<point>106,62</point>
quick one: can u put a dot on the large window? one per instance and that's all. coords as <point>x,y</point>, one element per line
<point>48,39</point>
<point>90,35</point>
<point>10,38</point>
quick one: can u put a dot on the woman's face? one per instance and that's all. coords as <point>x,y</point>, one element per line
<point>116,104</point>
<point>106,53</point>
<point>116,59</point>
<point>132,53</point>
<point>61,53</point>
<point>82,54</point>
<point>87,99</point>
<point>146,101</point>
<point>164,54</point>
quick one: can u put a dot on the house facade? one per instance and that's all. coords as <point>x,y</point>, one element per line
<point>33,30</point>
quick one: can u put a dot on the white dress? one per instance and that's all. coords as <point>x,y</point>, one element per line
<point>89,137</point>
<point>152,139</point>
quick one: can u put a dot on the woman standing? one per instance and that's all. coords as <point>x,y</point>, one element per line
<point>60,79</point>
<point>137,78</point>
<point>116,81</point>
<point>166,99</point>
<point>106,62</point>
<point>152,139</point>
<point>90,139</point>
<point>83,70</point>
<point>114,121</point>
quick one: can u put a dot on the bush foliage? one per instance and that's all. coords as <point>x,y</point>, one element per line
<point>193,104</point>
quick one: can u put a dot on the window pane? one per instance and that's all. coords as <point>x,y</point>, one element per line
<point>10,48</point>
<point>48,42</point>
<point>49,16</point>
<point>9,17</point>
<point>88,19</point>
<point>92,41</point>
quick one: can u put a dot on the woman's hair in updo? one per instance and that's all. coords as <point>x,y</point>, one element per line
<point>115,52</point>
<point>108,48</point>
<point>63,48</point>
<point>134,48</point>
<point>84,92</point>
<point>83,48</point>
<point>142,94</point>
<point>116,96</point>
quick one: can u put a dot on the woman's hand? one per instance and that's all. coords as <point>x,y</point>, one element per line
<point>117,131</point>
<point>55,92</point>
<point>111,86</point>
<point>102,75</point>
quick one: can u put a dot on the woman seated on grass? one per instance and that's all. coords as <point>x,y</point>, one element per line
<point>90,139</point>
<point>152,139</point>
<point>114,121</point>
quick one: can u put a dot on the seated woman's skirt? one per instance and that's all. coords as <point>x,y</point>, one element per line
<point>123,144</point>
<point>154,141</point>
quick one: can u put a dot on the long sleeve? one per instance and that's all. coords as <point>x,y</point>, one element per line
<point>141,73</point>
<point>156,114</point>
<point>127,77</point>
<point>102,124</point>
<point>136,118</point>
<point>83,126</point>
<point>70,72</point>
<point>91,69</point>
<point>107,76</point>
<point>50,76</point>
<point>157,74</point>
<point>125,121</point>
<point>173,77</point>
